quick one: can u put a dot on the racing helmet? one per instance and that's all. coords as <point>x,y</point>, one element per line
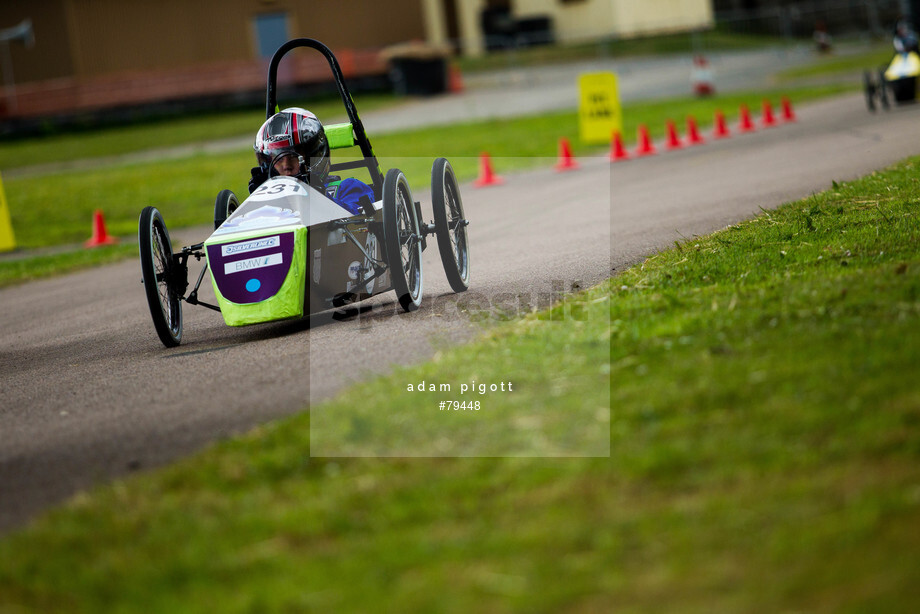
<point>294,132</point>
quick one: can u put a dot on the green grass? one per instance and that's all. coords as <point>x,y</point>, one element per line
<point>57,209</point>
<point>196,129</point>
<point>206,127</point>
<point>764,445</point>
<point>854,64</point>
<point>49,264</point>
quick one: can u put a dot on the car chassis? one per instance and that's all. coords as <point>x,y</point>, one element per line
<point>288,251</point>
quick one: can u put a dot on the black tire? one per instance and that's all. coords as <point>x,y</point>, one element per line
<point>450,225</point>
<point>883,87</point>
<point>225,204</point>
<point>869,88</point>
<point>158,269</point>
<point>402,240</point>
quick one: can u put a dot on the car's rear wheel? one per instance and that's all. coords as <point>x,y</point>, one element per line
<point>450,225</point>
<point>883,88</point>
<point>869,88</point>
<point>225,204</point>
<point>160,275</point>
<point>402,240</point>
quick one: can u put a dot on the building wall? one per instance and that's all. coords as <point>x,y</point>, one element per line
<point>50,58</point>
<point>658,16</point>
<point>88,38</point>
<point>579,20</point>
<point>575,20</point>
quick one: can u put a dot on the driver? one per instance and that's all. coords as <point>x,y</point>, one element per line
<point>905,39</point>
<point>293,143</point>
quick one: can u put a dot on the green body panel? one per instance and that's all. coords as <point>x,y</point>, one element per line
<point>340,135</point>
<point>287,303</point>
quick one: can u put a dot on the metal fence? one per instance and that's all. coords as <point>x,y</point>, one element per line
<point>803,19</point>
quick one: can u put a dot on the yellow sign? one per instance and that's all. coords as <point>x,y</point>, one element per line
<point>7,241</point>
<point>599,113</point>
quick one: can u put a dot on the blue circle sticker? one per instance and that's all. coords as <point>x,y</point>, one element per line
<point>253,285</point>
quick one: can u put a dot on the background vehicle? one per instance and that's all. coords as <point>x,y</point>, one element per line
<point>896,83</point>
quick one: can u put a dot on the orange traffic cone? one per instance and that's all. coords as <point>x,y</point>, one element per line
<point>454,79</point>
<point>766,118</point>
<point>646,147</point>
<point>566,161</point>
<point>721,130</point>
<point>100,236</point>
<point>693,133</point>
<point>617,151</point>
<point>673,138</point>
<point>745,123</point>
<point>788,113</point>
<point>486,176</point>
<point>346,59</point>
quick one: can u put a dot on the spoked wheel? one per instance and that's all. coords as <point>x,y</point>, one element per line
<point>225,204</point>
<point>402,240</point>
<point>883,90</point>
<point>450,225</point>
<point>870,90</point>
<point>160,277</point>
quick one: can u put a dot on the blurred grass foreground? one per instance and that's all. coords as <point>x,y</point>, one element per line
<point>764,443</point>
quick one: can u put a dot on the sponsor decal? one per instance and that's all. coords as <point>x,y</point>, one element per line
<point>233,249</point>
<point>239,266</point>
<point>354,269</point>
<point>266,216</point>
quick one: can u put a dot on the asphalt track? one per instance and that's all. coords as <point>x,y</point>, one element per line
<point>87,393</point>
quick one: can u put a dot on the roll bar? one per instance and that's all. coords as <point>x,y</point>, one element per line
<point>271,102</point>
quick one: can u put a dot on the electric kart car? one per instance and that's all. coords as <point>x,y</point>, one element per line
<point>288,251</point>
<point>898,81</point>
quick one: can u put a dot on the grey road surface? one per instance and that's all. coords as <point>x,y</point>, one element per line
<point>87,393</point>
<point>528,91</point>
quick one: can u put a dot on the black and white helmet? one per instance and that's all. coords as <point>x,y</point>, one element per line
<point>294,132</point>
